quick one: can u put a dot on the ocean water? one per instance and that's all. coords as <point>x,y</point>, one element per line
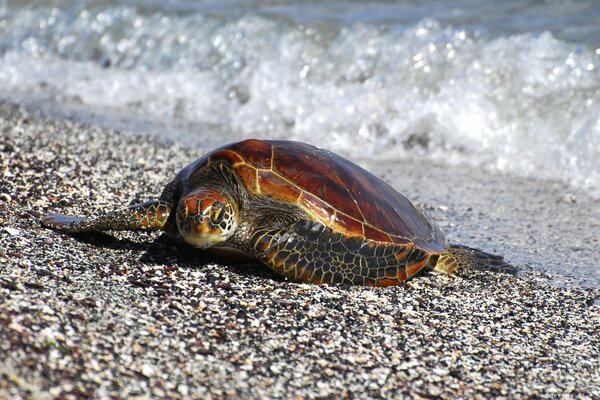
<point>505,85</point>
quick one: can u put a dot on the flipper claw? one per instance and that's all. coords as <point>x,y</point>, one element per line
<point>60,221</point>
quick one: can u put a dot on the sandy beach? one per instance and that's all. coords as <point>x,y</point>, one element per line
<point>137,316</point>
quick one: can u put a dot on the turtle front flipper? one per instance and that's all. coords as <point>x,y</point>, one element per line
<point>152,215</point>
<point>308,251</point>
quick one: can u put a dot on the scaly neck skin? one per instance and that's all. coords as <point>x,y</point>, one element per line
<point>261,213</point>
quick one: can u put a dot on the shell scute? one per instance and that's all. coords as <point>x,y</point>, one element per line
<point>254,152</point>
<point>377,234</point>
<point>348,225</point>
<point>383,210</point>
<point>308,171</point>
<point>323,211</point>
<point>270,184</point>
<point>401,240</point>
<point>232,157</point>
<point>249,175</point>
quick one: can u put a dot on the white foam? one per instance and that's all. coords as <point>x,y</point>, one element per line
<point>526,103</point>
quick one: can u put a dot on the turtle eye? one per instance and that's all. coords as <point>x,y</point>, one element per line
<point>216,213</point>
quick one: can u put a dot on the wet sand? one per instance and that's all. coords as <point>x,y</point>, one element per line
<point>129,314</point>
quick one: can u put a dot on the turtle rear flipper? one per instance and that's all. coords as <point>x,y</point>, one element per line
<point>459,257</point>
<point>308,251</point>
<point>152,215</point>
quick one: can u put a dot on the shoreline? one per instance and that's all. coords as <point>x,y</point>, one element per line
<point>539,225</point>
<point>133,314</point>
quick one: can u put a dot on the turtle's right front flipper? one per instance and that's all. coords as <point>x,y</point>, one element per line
<point>152,215</point>
<point>308,251</point>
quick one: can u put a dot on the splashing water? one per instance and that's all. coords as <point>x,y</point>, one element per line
<point>380,80</point>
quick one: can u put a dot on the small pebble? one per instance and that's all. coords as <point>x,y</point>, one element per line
<point>147,370</point>
<point>570,198</point>
<point>183,389</point>
<point>11,231</point>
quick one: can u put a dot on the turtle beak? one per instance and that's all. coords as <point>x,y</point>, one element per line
<point>201,219</point>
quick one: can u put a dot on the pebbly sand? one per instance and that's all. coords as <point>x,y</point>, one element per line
<point>134,315</point>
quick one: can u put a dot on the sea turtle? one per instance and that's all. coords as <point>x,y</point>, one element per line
<point>305,212</point>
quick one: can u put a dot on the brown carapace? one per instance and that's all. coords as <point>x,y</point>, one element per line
<point>306,213</point>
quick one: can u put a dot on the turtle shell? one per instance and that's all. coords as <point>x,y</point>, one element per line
<point>333,190</point>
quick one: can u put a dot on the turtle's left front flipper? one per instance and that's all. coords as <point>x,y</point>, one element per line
<point>152,215</point>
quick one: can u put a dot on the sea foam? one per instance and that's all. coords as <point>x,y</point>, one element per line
<point>527,103</point>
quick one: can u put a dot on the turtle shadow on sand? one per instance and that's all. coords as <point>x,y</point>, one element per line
<point>164,250</point>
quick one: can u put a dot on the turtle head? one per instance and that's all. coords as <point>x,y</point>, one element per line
<point>206,218</point>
